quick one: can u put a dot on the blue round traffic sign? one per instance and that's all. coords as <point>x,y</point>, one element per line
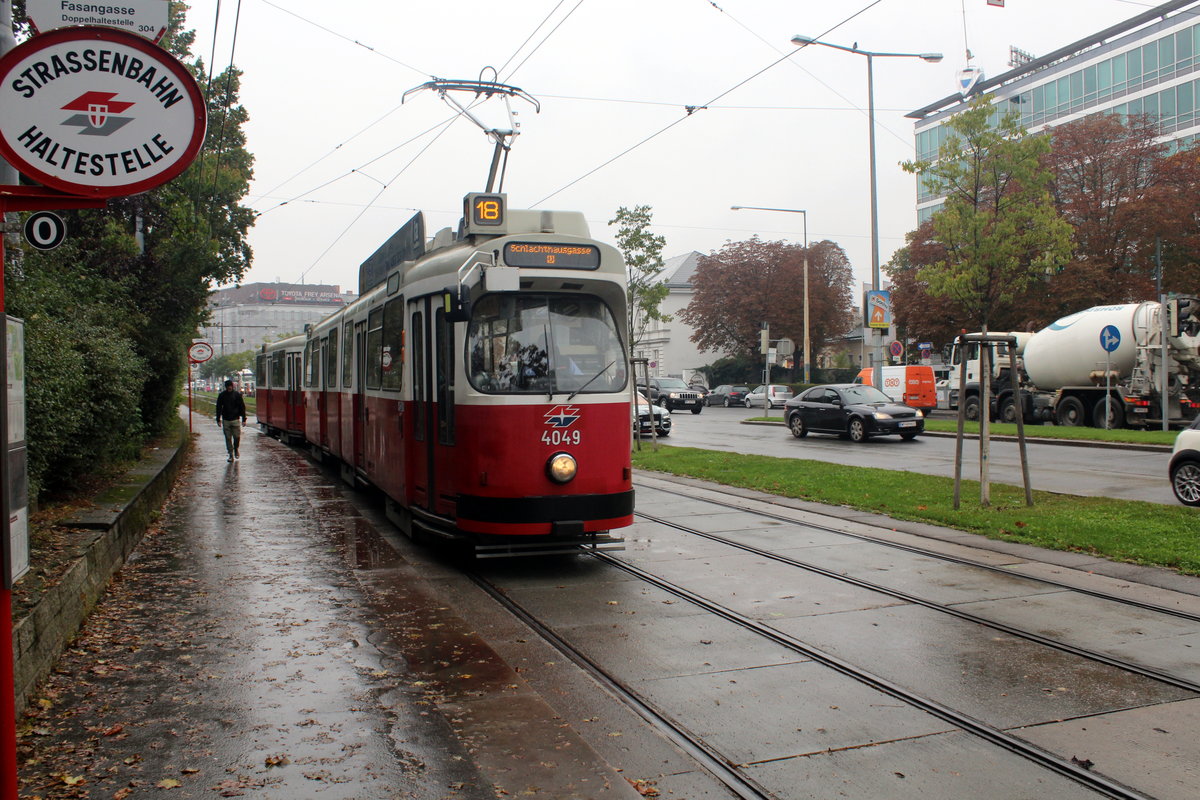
<point>1110,338</point>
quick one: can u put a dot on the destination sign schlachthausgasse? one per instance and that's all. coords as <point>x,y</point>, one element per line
<point>98,112</point>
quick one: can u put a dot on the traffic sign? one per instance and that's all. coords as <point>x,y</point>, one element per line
<point>146,18</point>
<point>200,352</point>
<point>1110,338</point>
<point>896,348</point>
<point>98,112</point>
<point>45,230</point>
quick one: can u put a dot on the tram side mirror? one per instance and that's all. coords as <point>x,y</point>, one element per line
<point>457,303</point>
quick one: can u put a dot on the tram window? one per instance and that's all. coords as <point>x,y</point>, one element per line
<point>347,355</point>
<point>278,372</point>
<point>260,371</point>
<point>312,355</point>
<point>331,362</point>
<point>315,364</point>
<point>531,344</point>
<point>393,344</point>
<point>375,348</point>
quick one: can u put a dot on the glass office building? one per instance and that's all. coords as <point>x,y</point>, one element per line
<point>1149,64</point>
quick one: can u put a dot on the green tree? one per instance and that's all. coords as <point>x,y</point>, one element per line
<point>643,258</point>
<point>998,226</point>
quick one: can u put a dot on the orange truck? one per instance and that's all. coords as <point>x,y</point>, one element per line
<point>912,385</point>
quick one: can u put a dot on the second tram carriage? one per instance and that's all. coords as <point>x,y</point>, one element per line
<point>479,381</point>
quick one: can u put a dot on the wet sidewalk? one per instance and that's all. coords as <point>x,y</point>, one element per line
<point>264,641</point>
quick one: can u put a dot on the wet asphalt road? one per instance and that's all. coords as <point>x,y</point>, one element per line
<point>261,643</point>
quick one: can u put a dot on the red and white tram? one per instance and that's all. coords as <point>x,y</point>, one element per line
<point>479,381</point>
<point>278,399</point>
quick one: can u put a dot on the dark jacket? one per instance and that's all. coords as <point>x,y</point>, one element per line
<point>230,405</point>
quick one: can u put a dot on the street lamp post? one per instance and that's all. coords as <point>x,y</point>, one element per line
<point>804,41</point>
<point>805,213</point>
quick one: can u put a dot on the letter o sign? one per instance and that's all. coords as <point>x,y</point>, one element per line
<point>45,230</point>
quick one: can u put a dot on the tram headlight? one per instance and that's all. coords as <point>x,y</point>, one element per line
<point>561,467</point>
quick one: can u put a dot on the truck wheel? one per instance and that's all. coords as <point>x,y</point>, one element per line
<point>1008,411</point>
<point>1069,412</point>
<point>971,410</point>
<point>1116,414</point>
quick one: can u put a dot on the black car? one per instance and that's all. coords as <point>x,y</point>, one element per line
<point>728,395</point>
<point>852,410</point>
<point>673,394</point>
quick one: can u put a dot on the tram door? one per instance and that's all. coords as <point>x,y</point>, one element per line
<point>433,365</point>
<point>323,393</point>
<point>295,392</point>
<point>360,385</point>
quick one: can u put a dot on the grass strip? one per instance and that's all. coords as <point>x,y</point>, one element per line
<point>1120,530</point>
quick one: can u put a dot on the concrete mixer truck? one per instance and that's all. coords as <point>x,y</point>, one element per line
<point>1104,361</point>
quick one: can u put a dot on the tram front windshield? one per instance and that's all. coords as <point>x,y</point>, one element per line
<point>544,343</point>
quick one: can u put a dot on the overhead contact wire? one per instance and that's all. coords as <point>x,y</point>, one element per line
<point>692,109</point>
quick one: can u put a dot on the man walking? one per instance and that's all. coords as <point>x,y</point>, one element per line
<point>231,416</point>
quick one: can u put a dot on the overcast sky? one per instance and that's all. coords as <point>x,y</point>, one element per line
<point>340,162</point>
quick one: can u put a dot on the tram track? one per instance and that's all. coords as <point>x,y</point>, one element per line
<point>1036,638</point>
<point>727,771</point>
<point>692,745</point>
<point>949,559</point>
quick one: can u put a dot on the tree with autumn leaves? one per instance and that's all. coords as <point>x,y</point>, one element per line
<point>746,283</point>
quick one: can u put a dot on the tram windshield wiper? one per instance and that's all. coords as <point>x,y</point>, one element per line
<point>589,380</point>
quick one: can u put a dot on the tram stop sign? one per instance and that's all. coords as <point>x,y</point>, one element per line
<point>98,112</point>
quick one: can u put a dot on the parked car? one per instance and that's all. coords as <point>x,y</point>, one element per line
<point>851,410</point>
<point>645,411</point>
<point>728,394</point>
<point>768,396</point>
<point>672,394</point>
<point>1184,468</point>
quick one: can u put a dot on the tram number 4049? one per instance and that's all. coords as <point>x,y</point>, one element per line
<point>561,437</point>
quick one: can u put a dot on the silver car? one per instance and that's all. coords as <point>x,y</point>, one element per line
<point>646,411</point>
<point>772,395</point>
